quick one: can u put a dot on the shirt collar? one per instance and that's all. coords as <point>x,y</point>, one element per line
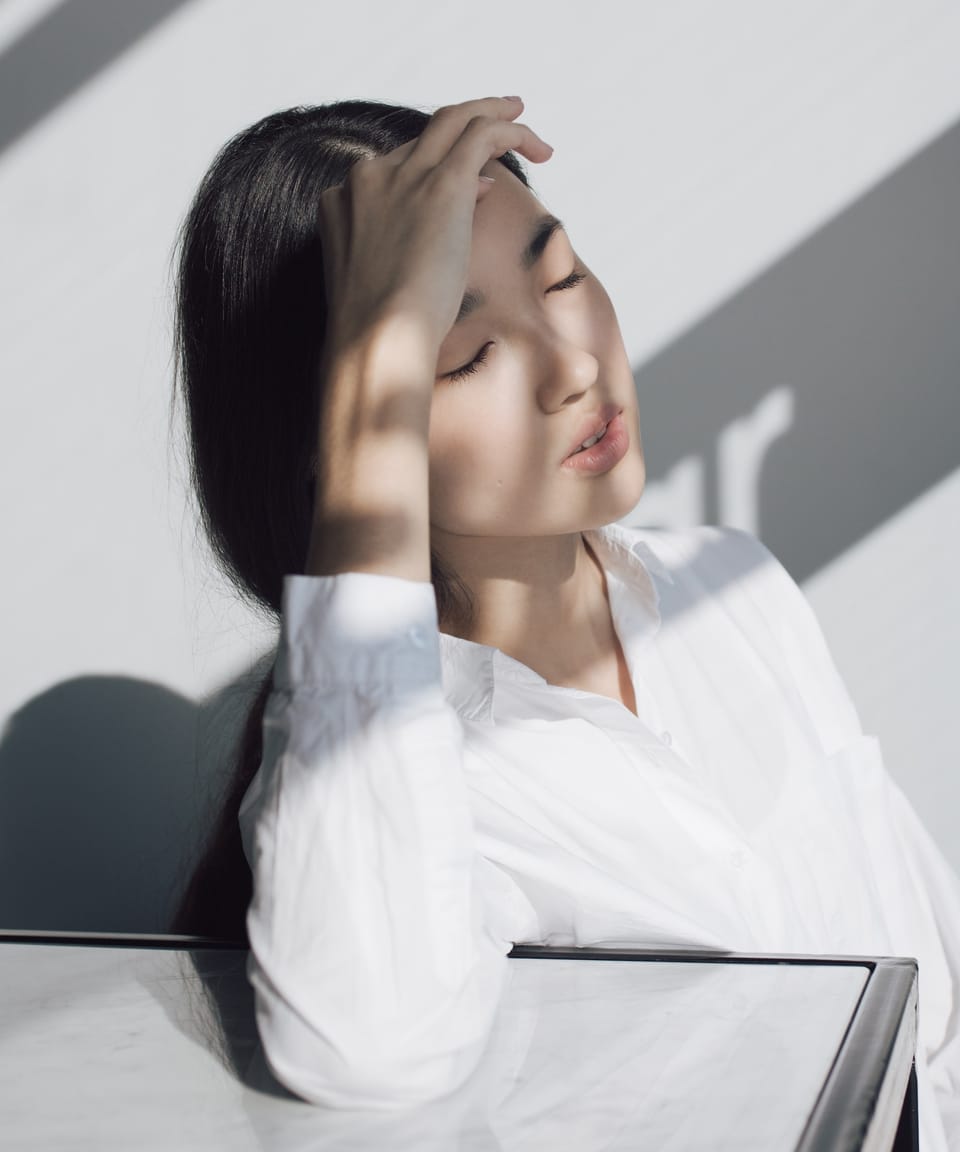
<point>472,671</point>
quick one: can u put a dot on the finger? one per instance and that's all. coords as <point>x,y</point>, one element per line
<point>454,118</point>
<point>401,152</point>
<point>449,121</point>
<point>485,140</point>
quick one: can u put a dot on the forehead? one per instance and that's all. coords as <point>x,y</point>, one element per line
<point>504,217</point>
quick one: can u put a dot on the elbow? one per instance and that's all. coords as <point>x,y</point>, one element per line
<point>360,1069</point>
<point>369,1085</point>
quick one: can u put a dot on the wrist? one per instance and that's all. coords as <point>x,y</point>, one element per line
<point>396,350</point>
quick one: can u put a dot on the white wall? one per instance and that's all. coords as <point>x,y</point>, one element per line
<point>888,606</point>
<point>696,146</point>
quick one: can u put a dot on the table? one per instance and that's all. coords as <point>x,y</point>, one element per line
<point>118,1042</point>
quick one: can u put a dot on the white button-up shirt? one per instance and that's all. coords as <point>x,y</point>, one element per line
<point>425,802</point>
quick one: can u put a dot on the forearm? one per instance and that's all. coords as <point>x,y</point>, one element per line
<point>376,957</point>
<point>371,511</point>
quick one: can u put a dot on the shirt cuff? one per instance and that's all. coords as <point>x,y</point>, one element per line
<point>357,628</point>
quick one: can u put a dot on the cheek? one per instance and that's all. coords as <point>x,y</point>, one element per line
<point>480,462</point>
<point>604,329</point>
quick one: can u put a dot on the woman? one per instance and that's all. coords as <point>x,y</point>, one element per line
<point>495,715</point>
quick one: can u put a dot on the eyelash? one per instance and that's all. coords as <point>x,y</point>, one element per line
<point>570,281</point>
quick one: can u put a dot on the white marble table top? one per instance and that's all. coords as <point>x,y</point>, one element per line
<point>136,1048</point>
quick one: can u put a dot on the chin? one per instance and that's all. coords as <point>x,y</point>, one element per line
<point>626,494</point>
<point>611,496</point>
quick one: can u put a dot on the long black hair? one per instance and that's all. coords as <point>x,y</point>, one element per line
<point>250,319</point>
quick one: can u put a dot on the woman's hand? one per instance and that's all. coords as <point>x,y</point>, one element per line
<point>396,249</point>
<point>397,234</point>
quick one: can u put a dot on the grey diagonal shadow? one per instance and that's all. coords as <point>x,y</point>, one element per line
<point>62,51</point>
<point>862,321</point>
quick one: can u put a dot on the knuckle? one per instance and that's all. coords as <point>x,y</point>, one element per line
<point>479,124</point>
<point>365,177</point>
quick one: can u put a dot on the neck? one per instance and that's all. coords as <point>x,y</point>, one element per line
<point>542,600</point>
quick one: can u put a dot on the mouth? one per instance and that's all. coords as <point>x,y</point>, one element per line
<point>594,429</point>
<point>592,440</point>
<point>605,449</point>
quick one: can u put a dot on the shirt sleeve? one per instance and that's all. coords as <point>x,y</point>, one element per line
<point>798,638</point>
<point>378,934</point>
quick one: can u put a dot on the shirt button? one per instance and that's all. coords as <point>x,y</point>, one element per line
<point>417,637</point>
<point>666,738</point>
<point>736,859</point>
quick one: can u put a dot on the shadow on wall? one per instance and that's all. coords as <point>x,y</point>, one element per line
<point>107,784</point>
<point>825,396</point>
<point>110,787</point>
<point>810,408</point>
<point>64,50</point>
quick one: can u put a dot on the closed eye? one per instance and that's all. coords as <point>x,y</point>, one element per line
<point>469,369</point>
<point>570,281</point>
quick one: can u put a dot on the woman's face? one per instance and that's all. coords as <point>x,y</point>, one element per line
<point>554,370</point>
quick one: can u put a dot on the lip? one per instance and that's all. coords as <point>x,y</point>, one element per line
<point>606,453</point>
<point>592,424</point>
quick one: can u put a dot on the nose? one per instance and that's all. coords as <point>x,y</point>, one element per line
<point>564,369</point>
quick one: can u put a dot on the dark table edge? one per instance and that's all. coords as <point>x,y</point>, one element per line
<point>116,939</point>
<point>854,1087</point>
<point>864,1073</point>
<point>519,951</point>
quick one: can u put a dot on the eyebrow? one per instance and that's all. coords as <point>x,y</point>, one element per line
<point>543,229</point>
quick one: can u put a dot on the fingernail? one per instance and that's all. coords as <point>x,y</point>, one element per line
<point>488,179</point>
<point>517,98</point>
